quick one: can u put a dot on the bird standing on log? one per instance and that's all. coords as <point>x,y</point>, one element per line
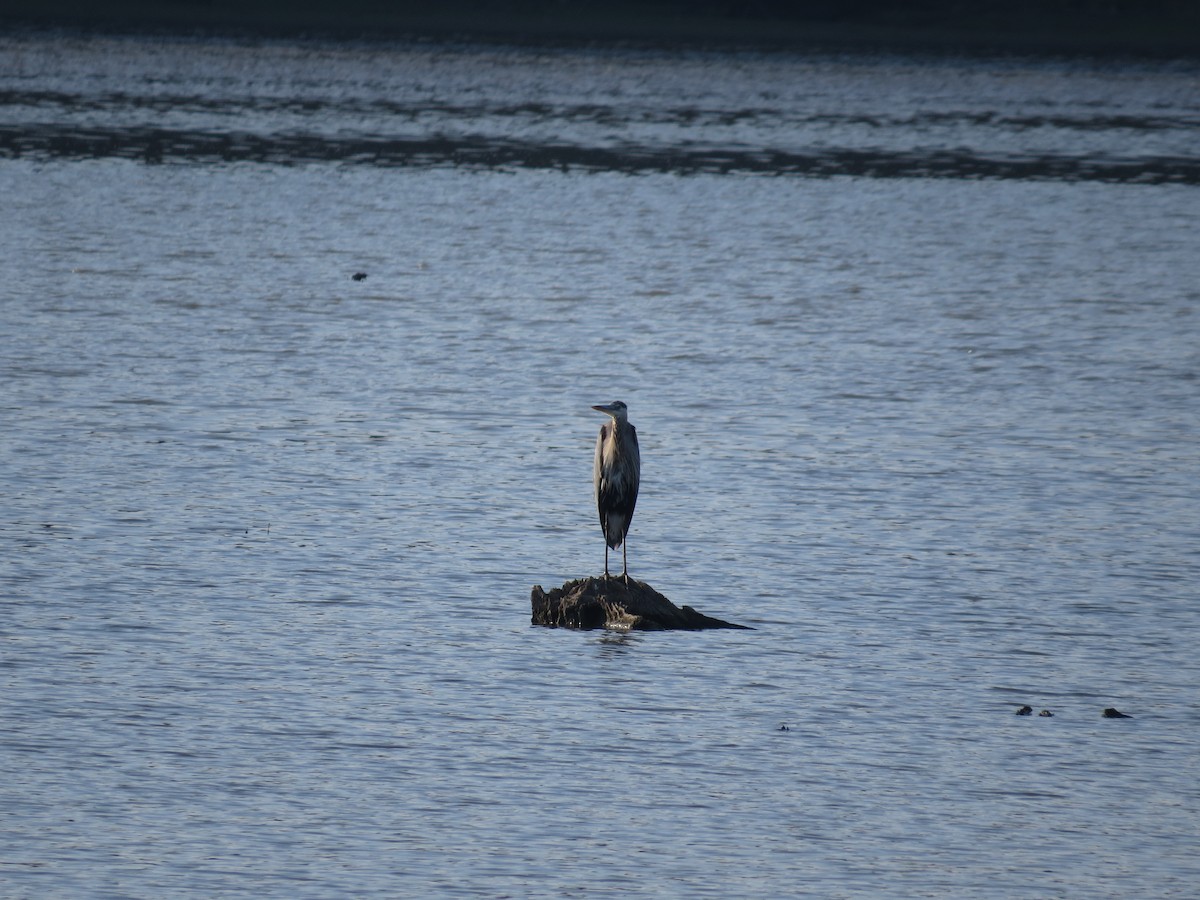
<point>617,474</point>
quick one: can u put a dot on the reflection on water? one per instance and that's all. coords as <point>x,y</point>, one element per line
<point>159,145</point>
<point>617,643</point>
<point>632,112</point>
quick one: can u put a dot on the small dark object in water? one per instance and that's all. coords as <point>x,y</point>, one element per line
<point>611,603</point>
<point>1111,713</point>
<point>1046,714</point>
<point>359,276</point>
<point>784,728</point>
<point>1025,711</point>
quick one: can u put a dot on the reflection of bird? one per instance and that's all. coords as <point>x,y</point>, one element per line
<point>617,473</point>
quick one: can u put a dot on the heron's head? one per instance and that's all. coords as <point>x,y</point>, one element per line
<point>617,409</point>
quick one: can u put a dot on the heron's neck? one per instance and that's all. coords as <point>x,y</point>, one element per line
<point>616,427</point>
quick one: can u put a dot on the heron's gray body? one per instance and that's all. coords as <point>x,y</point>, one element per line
<point>616,475</point>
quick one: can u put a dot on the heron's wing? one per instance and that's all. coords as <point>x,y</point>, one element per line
<point>634,457</point>
<point>617,494</point>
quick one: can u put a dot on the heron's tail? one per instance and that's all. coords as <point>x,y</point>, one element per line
<point>615,529</point>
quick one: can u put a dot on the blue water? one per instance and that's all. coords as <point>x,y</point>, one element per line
<point>269,533</point>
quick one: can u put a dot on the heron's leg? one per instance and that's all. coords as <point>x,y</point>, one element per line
<point>625,560</point>
<point>606,559</point>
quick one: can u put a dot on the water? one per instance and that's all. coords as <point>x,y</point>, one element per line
<point>269,533</point>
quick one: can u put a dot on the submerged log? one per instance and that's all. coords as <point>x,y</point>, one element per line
<point>609,603</point>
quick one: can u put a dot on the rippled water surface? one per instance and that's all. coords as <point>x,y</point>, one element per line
<point>913,350</point>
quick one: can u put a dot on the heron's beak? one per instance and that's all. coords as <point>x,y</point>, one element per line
<point>604,408</point>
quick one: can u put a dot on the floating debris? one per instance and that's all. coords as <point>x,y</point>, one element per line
<point>1046,714</point>
<point>1025,711</point>
<point>1111,713</point>
<point>611,603</point>
<point>359,276</point>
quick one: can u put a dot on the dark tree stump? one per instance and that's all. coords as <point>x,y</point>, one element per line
<point>609,603</point>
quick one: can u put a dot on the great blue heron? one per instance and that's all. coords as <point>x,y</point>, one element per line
<point>616,475</point>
